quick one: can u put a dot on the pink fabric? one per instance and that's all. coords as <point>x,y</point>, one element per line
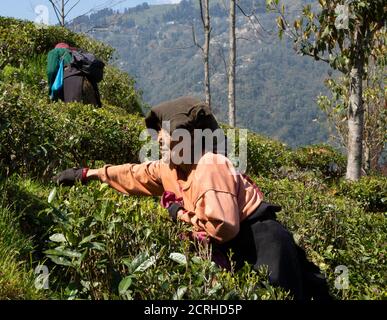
<point>200,236</point>
<point>62,45</point>
<point>168,198</point>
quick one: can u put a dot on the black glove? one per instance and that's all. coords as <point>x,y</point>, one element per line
<point>68,177</point>
<point>173,209</point>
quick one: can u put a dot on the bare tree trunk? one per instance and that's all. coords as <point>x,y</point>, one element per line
<point>367,137</point>
<point>206,51</point>
<point>356,115</point>
<point>62,16</point>
<point>367,158</point>
<point>60,9</point>
<point>231,66</point>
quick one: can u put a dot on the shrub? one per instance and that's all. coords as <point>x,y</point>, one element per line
<point>103,245</point>
<point>321,158</point>
<point>370,192</point>
<point>38,136</point>
<point>117,88</point>
<point>264,156</point>
<point>19,39</point>
<point>334,231</point>
<point>26,198</point>
<point>23,55</point>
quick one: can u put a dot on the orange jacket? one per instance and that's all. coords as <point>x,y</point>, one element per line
<point>216,198</point>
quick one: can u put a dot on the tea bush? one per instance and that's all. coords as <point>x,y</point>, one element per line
<point>334,231</point>
<point>270,158</point>
<point>103,245</point>
<point>21,39</point>
<point>23,56</point>
<point>31,75</point>
<point>26,198</point>
<point>264,156</point>
<point>320,158</point>
<point>106,245</point>
<point>370,192</point>
<point>117,88</point>
<point>38,136</point>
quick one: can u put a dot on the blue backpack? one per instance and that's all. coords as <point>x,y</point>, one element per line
<point>57,86</point>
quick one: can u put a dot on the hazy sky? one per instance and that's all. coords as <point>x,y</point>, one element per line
<point>25,9</point>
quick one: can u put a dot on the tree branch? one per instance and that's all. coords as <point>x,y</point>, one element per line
<point>248,16</point>
<point>201,12</point>
<point>178,48</point>
<point>106,5</point>
<point>316,56</point>
<point>243,38</point>
<point>56,10</point>
<point>72,8</point>
<point>194,38</point>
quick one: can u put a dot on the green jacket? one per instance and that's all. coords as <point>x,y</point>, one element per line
<point>53,60</point>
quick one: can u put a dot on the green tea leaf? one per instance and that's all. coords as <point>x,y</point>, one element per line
<point>60,260</point>
<point>178,257</point>
<point>88,238</point>
<point>127,262</point>
<point>60,252</point>
<point>58,237</point>
<point>180,293</point>
<point>98,246</point>
<point>137,261</point>
<point>124,284</point>
<point>103,186</point>
<point>52,195</point>
<point>146,264</point>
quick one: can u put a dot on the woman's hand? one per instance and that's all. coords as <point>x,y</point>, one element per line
<point>199,236</point>
<point>69,177</point>
<point>182,216</point>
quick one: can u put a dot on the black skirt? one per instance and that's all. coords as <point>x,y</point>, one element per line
<point>262,240</point>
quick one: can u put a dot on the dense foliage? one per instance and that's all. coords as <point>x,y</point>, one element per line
<point>23,50</point>
<point>98,244</point>
<point>39,137</point>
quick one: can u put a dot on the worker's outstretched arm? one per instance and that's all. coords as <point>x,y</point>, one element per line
<point>139,179</point>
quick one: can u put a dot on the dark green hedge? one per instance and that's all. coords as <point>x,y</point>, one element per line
<point>39,137</point>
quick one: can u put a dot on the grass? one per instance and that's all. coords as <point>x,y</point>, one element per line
<point>16,273</point>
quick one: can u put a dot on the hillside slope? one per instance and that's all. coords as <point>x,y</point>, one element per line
<point>98,244</point>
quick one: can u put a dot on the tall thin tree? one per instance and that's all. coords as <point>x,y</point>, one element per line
<point>60,9</point>
<point>205,17</point>
<point>341,35</point>
<point>207,35</point>
<point>231,65</point>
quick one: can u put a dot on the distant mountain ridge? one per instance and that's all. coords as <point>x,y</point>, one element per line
<point>276,88</point>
